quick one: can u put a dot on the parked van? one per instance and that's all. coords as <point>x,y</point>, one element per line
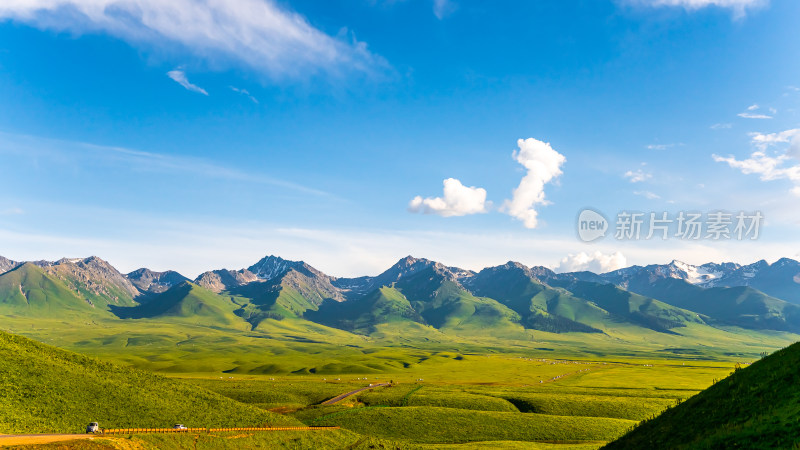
<point>93,428</point>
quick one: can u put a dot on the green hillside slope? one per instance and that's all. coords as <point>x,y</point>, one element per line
<point>44,389</point>
<point>755,407</point>
<point>541,307</point>
<point>362,315</point>
<point>446,305</point>
<point>28,291</point>
<point>191,303</point>
<point>637,309</point>
<point>741,306</point>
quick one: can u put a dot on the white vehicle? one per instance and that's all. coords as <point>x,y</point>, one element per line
<point>179,426</point>
<point>93,427</point>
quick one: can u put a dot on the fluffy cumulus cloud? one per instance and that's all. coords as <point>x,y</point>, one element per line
<point>262,34</point>
<point>543,165</point>
<point>777,157</point>
<point>457,200</point>
<point>179,77</point>
<point>596,262</point>
<point>739,7</point>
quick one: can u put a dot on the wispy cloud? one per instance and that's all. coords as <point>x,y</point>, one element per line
<point>245,93</point>
<point>721,126</point>
<point>739,7</point>
<point>637,176</point>
<point>458,200</point>
<point>752,113</point>
<point>179,77</point>
<point>443,8</point>
<point>771,166</point>
<point>12,212</point>
<point>34,146</point>
<point>261,34</point>
<point>663,146</point>
<point>647,194</point>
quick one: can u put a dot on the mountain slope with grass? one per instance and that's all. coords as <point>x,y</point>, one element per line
<point>634,308</point>
<point>47,390</point>
<point>541,307</point>
<point>738,306</point>
<point>30,292</point>
<point>190,303</point>
<point>385,305</point>
<point>755,407</point>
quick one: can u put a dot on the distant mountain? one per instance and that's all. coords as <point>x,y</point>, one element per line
<point>423,294</point>
<point>289,293</point>
<point>363,315</point>
<point>755,407</point>
<point>541,307</point>
<point>29,291</point>
<point>740,306</point>
<point>224,279</point>
<point>633,308</point>
<point>271,266</point>
<point>93,279</point>
<point>404,268</point>
<point>7,264</point>
<point>780,279</point>
<point>149,282</point>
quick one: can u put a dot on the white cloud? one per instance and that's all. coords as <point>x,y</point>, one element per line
<point>739,7</point>
<point>443,8</point>
<point>721,126</point>
<point>245,93</point>
<point>261,34</point>
<point>746,115</point>
<point>458,200</point>
<point>638,176</point>
<point>752,114</point>
<point>647,194</point>
<point>597,262</point>
<point>179,77</point>
<point>544,165</point>
<point>774,166</point>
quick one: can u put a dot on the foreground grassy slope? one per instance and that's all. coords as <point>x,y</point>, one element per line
<point>44,389</point>
<point>755,407</point>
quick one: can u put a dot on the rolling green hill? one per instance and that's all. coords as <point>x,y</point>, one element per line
<point>44,389</point>
<point>190,303</point>
<point>28,291</point>
<point>362,315</point>
<point>755,407</point>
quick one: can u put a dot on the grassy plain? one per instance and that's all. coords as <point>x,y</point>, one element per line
<point>546,391</point>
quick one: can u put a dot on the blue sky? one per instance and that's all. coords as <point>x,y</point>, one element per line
<point>194,135</point>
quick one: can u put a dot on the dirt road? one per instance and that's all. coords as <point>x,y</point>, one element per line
<point>341,397</point>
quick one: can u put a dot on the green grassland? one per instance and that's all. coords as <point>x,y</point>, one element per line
<point>44,389</point>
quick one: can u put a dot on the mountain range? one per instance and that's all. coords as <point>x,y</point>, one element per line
<point>417,294</point>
